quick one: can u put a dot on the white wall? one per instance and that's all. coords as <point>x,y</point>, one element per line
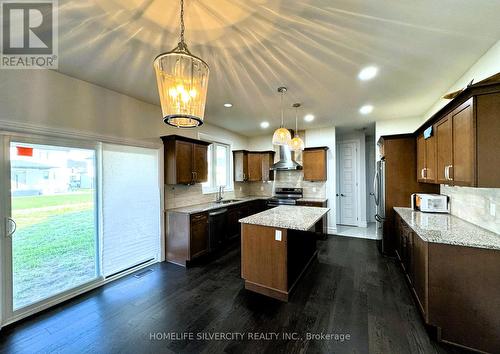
<point>261,143</point>
<point>48,99</point>
<point>486,66</point>
<point>326,137</point>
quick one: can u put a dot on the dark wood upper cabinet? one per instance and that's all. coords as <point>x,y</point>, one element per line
<point>267,163</point>
<point>200,163</point>
<point>463,168</point>
<point>426,159</point>
<point>185,160</point>
<point>488,140</point>
<point>420,158</point>
<point>253,166</point>
<point>456,147</point>
<point>467,143</point>
<point>314,162</point>
<point>240,165</point>
<point>444,149</point>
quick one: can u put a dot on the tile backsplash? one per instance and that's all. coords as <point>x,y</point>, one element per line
<point>177,196</point>
<point>474,204</point>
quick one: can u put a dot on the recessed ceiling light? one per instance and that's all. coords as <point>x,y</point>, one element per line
<point>309,118</point>
<point>264,125</point>
<point>368,73</point>
<point>228,105</point>
<point>366,109</point>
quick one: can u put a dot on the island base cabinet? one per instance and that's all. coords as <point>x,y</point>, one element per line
<point>271,264</point>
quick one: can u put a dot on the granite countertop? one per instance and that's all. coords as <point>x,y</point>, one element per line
<point>448,229</point>
<point>318,200</point>
<point>199,208</point>
<point>287,217</point>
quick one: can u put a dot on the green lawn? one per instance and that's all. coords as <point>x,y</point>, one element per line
<point>54,245</point>
<point>43,201</point>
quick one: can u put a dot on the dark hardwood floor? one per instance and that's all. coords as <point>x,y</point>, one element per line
<point>351,290</point>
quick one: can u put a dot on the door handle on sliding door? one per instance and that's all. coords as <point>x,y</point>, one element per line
<point>10,230</point>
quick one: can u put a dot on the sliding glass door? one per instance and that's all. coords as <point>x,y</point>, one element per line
<point>75,215</point>
<point>51,238</point>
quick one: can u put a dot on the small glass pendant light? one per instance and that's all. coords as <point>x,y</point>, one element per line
<point>296,144</point>
<point>182,84</point>
<point>282,135</point>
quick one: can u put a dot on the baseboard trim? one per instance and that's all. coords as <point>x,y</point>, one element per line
<point>374,237</point>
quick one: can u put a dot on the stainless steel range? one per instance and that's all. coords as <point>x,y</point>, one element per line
<point>285,196</point>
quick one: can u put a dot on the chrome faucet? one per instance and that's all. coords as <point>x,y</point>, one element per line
<point>220,194</point>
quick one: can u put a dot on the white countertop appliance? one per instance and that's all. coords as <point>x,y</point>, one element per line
<point>430,203</point>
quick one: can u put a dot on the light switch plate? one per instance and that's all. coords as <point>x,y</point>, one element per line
<point>314,189</point>
<point>277,235</point>
<point>261,188</point>
<point>493,208</point>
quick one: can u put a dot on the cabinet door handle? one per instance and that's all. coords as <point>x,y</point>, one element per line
<point>446,176</point>
<point>422,173</point>
<point>450,168</point>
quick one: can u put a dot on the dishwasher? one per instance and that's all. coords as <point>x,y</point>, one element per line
<point>217,226</point>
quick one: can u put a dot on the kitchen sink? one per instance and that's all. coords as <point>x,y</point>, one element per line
<point>228,201</point>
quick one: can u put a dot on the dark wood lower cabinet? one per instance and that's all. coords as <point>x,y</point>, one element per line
<point>455,287</point>
<point>198,242</point>
<point>188,234</point>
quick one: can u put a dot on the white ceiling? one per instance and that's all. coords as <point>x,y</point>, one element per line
<point>314,47</point>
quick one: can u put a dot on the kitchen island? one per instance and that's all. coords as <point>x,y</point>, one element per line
<point>277,246</point>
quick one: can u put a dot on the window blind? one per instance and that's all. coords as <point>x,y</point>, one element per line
<point>130,207</point>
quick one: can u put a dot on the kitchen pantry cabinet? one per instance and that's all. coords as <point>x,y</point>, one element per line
<point>426,159</point>
<point>185,160</point>
<point>314,162</point>
<point>253,166</point>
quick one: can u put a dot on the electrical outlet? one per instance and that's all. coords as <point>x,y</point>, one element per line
<point>314,189</point>
<point>493,208</point>
<point>261,188</point>
<point>241,188</point>
<point>277,235</point>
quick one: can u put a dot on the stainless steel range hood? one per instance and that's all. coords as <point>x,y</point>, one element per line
<point>286,162</point>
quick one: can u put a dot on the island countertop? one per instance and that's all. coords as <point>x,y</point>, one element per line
<point>287,217</point>
<point>448,229</point>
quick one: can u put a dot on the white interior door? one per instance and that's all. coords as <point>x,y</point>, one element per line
<point>348,189</point>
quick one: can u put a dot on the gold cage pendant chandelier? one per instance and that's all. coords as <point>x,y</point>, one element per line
<point>182,84</point>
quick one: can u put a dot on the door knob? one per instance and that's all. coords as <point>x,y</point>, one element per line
<point>342,195</point>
